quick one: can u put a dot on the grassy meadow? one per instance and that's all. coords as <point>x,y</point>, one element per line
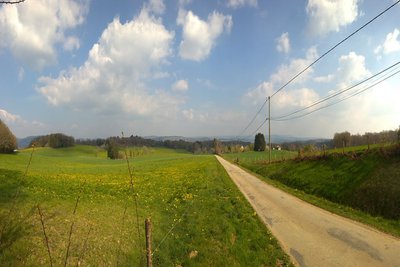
<point>199,217</point>
<point>260,157</point>
<point>360,184</point>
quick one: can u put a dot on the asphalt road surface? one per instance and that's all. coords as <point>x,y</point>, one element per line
<point>313,236</point>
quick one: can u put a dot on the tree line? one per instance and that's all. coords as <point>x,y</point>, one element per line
<point>56,140</point>
<point>345,139</point>
<point>114,144</point>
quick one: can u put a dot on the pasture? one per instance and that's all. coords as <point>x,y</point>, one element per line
<point>199,217</point>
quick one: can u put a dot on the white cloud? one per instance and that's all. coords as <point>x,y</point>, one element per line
<point>21,74</point>
<point>8,117</point>
<point>284,73</point>
<point>283,43</point>
<point>33,28</point>
<point>19,126</point>
<point>327,15</point>
<point>391,44</point>
<point>188,113</point>
<point>324,79</point>
<point>156,6</point>
<point>200,36</point>
<point>351,69</point>
<point>71,43</point>
<point>288,71</point>
<point>180,86</point>
<point>112,80</point>
<point>240,3</point>
<point>183,3</point>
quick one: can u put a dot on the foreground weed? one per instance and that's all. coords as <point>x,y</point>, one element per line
<point>84,247</point>
<point>72,226</point>
<point>46,239</point>
<point>15,198</point>
<point>132,193</point>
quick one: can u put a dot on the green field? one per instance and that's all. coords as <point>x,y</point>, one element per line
<point>199,217</point>
<point>363,185</point>
<point>250,157</point>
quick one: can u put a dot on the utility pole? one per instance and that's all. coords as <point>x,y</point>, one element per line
<point>269,128</point>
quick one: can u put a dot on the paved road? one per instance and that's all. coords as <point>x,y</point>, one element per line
<point>313,236</point>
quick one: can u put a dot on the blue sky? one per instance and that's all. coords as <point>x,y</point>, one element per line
<point>193,68</point>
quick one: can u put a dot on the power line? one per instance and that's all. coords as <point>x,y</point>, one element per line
<point>337,93</point>
<point>340,100</point>
<point>314,62</point>
<point>255,116</point>
<point>336,45</point>
<point>260,126</point>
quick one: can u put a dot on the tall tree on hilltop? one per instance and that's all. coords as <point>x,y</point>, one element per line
<point>259,142</point>
<point>8,142</point>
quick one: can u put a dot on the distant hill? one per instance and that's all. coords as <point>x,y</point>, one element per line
<point>276,139</point>
<point>24,142</point>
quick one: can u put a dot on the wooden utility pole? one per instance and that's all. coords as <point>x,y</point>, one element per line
<point>148,242</point>
<point>269,128</point>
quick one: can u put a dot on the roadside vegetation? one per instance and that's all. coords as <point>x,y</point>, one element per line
<point>199,217</point>
<point>356,182</point>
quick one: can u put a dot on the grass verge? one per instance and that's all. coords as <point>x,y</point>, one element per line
<point>357,187</point>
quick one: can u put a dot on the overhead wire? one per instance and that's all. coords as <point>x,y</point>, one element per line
<point>313,63</point>
<point>332,48</point>
<point>343,99</point>
<point>260,126</point>
<point>255,116</point>
<point>337,93</point>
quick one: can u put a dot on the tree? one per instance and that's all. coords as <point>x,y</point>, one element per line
<point>342,139</point>
<point>112,148</point>
<point>8,142</point>
<point>259,142</point>
<point>59,140</point>
<point>398,135</point>
<point>217,147</point>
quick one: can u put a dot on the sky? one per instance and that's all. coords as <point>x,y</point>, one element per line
<point>195,67</point>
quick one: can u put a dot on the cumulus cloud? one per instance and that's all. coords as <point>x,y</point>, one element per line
<point>326,15</point>
<point>188,114</point>
<point>351,69</point>
<point>112,79</point>
<point>199,36</point>
<point>19,126</point>
<point>21,74</point>
<point>240,3</point>
<point>156,6</point>
<point>283,43</point>
<point>9,117</point>
<point>33,28</point>
<point>180,86</point>
<point>391,43</point>
<point>294,97</point>
<point>286,71</point>
<point>71,43</point>
<point>324,79</point>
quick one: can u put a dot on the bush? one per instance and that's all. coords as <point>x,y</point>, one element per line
<point>8,142</point>
<point>113,148</point>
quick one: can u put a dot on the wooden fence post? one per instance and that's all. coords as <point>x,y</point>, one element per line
<point>148,242</point>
